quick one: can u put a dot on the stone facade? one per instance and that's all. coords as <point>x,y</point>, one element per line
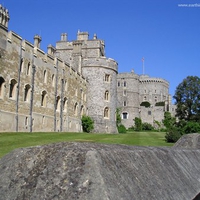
<point>51,91</point>
<point>133,89</point>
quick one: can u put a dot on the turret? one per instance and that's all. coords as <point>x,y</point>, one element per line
<point>37,40</point>
<point>4,17</point>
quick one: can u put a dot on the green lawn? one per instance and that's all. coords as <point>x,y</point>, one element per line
<point>10,141</point>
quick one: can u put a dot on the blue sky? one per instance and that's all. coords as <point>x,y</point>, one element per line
<point>166,34</point>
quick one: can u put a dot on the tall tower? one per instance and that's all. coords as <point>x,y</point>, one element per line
<point>88,58</point>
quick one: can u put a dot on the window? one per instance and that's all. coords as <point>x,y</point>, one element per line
<point>124,103</point>
<point>82,110</point>
<point>58,103</point>
<point>65,85</point>
<point>149,112</point>
<point>145,98</point>
<point>118,83</point>
<point>107,77</point>
<point>124,83</point>
<point>106,97</point>
<point>27,91</point>
<point>22,65</point>
<point>53,80</point>
<point>124,92</point>
<point>26,121</point>
<point>156,99</point>
<point>45,76</point>
<point>44,99</point>
<point>2,84</point>
<point>76,109</point>
<point>106,112</point>
<point>13,88</point>
<point>65,104</point>
<point>124,115</point>
<point>28,69</point>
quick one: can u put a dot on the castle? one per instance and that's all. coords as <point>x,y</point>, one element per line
<point>51,91</point>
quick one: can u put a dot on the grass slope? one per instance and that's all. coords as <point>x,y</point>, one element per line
<point>11,141</point>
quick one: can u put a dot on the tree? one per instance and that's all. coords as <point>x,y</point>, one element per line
<point>138,124</point>
<point>168,120</point>
<point>87,123</point>
<point>187,96</point>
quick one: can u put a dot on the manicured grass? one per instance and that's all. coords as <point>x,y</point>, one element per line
<point>10,141</point>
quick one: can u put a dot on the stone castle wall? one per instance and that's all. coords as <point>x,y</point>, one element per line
<point>133,89</point>
<point>39,92</point>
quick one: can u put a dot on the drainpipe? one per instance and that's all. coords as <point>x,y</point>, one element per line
<point>32,92</point>
<point>55,98</point>
<point>61,103</point>
<point>18,87</point>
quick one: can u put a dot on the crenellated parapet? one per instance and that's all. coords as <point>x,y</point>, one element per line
<point>148,80</point>
<point>102,62</point>
<point>4,16</point>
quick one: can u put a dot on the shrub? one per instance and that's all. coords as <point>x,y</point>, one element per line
<point>191,127</point>
<point>138,124</point>
<point>147,127</point>
<point>172,135</point>
<point>161,103</point>
<point>87,123</point>
<point>121,128</point>
<point>145,104</point>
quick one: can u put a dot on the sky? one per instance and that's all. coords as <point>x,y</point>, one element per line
<point>165,33</point>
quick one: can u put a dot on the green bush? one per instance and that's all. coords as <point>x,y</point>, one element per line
<point>138,124</point>
<point>87,124</point>
<point>121,128</point>
<point>161,103</point>
<point>191,127</point>
<point>172,135</point>
<point>147,127</point>
<point>145,104</point>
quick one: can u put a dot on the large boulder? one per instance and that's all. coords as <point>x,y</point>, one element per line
<point>189,141</point>
<point>89,171</point>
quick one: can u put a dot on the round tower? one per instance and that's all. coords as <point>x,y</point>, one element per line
<point>101,74</point>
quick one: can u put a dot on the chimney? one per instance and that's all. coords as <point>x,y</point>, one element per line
<point>37,40</point>
<point>64,37</point>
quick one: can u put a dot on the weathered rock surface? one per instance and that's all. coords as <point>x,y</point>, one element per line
<point>89,171</point>
<point>189,141</point>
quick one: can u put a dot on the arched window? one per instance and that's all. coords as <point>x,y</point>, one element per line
<point>45,76</point>
<point>124,92</point>
<point>106,96</point>
<point>82,110</point>
<point>22,65</point>
<point>65,85</point>
<point>13,88</point>
<point>44,99</point>
<point>27,91</point>
<point>107,77</point>
<point>106,112</point>
<point>76,109</point>
<point>65,104</point>
<point>28,69</point>
<point>53,80</point>
<point>124,115</point>
<point>2,84</point>
<point>58,103</point>
<point>124,83</point>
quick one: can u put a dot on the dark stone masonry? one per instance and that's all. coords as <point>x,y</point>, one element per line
<point>90,171</point>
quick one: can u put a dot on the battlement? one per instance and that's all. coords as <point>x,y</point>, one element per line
<point>147,79</point>
<point>4,17</point>
<point>102,62</point>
